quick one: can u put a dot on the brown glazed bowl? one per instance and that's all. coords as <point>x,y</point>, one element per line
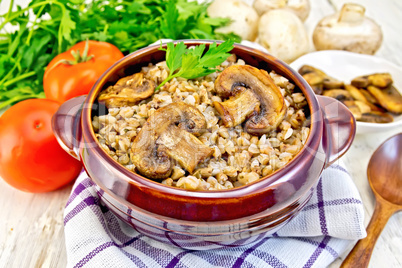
<point>206,219</point>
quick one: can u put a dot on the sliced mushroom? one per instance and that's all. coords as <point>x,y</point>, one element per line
<point>353,108</point>
<point>169,133</point>
<point>356,94</point>
<point>363,106</point>
<point>360,82</point>
<point>360,96</point>
<point>265,94</point>
<point>339,94</point>
<point>369,97</point>
<point>389,98</point>
<point>183,147</point>
<point>237,108</point>
<point>127,91</point>
<point>381,80</point>
<point>318,80</point>
<point>376,117</point>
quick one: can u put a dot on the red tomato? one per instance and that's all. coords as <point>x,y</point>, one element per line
<point>31,160</point>
<point>69,76</point>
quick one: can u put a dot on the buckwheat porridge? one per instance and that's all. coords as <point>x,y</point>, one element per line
<point>220,131</point>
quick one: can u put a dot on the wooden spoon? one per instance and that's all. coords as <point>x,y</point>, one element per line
<point>384,173</point>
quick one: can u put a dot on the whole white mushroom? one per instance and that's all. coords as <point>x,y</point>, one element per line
<point>283,34</point>
<point>300,7</point>
<point>244,17</point>
<point>348,30</point>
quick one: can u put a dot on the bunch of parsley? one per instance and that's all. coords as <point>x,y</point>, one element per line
<point>46,28</point>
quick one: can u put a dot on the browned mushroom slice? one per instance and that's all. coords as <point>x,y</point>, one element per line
<point>339,94</point>
<point>313,78</point>
<point>360,82</point>
<point>184,147</point>
<point>127,91</point>
<point>369,97</point>
<point>331,83</point>
<point>237,108</point>
<point>356,94</point>
<point>381,80</point>
<point>376,117</point>
<point>167,135</point>
<point>272,107</point>
<point>318,80</point>
<point>353,108</point>
<point>363,106</point>
<point>308,69</point>
<point>389,98</point>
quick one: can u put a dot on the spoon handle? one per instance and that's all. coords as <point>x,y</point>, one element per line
<point>361,253</point>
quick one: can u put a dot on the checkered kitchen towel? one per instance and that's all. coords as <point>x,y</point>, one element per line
<point>322,231</point>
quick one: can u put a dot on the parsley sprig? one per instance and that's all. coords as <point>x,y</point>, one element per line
<point>191,63</point>
<point>31,36</point>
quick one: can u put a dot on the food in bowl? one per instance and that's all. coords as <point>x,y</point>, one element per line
<point>371,98</point>
<point>220,131</point>
<point>202,220</point>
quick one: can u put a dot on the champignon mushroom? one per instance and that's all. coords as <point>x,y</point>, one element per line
<point>169,134</point>
<point>389,98</point>
<point>283,34</point>
<point>381,80</point>
<point>359,96</point>
<point>339,94</point>
<point>244,17</point>
<point>319,80</point>
<point>348,30</point>
<point>251,92</point>
<point>376,117</point>
<point>300,7</point>
<point>127,91</point>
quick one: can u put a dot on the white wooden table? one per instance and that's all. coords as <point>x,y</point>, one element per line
<point>31,225</point>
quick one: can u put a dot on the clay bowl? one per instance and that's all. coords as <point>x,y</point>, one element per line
<point>213,219</point>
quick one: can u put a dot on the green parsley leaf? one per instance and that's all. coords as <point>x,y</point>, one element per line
<point>190,63</point>
<point>44,28</point>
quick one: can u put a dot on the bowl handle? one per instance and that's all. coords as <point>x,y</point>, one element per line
<point>66,125</point>
<point>339,128</point>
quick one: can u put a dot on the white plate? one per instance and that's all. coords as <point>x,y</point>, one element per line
<point>345,66</point>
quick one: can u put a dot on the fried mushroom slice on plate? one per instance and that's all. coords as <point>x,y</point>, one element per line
<point>318,80</point>
<point>389,98</point>
<point>381,80</point>
<point>253,97</point>
<point>170,134</point>
<point>127,91</point>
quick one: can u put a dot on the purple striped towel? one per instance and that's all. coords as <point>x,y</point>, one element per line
<point>323,230</point>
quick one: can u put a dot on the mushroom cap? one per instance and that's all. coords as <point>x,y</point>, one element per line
<point>244,17</point>
<point>283,34</point>
<point>272,106</point>
<point>300,7</point>
<point>166,135</point>
<point>348,30</point>
<point>127,91</point>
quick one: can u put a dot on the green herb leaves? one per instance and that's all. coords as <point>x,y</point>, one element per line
<point>191,63</point>
<point>129,25</point>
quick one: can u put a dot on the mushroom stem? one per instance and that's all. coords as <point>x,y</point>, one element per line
<point>262,90</point>
<point>352,13</point>
<point>184,147</point>
<point>127,91</point>
<point>237,108</point>
<point>169,133</point>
